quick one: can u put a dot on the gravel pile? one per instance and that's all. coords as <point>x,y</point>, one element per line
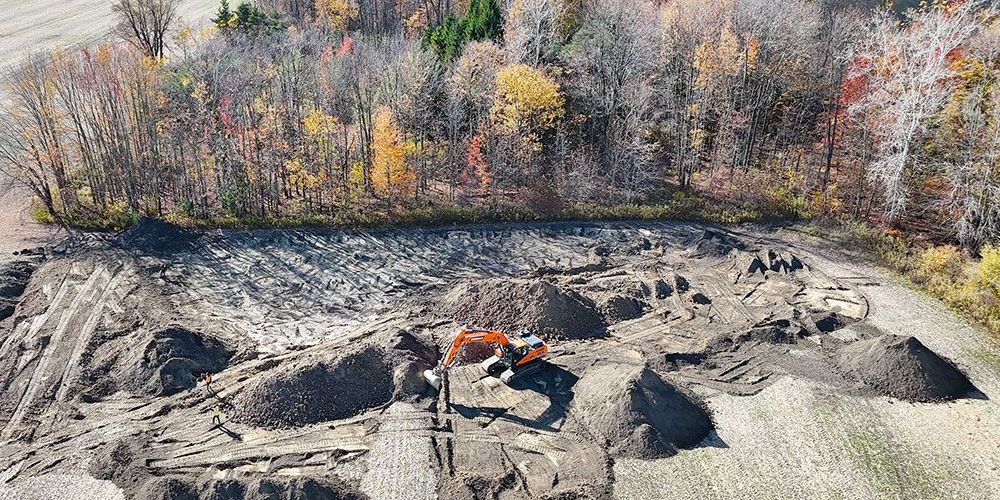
<point>635,413</point>
<point>513,304</point>
<point>156,363</point>
<point>903,368</point>
<point>317,390</point>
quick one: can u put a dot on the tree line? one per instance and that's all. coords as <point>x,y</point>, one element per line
<point>312,107</point>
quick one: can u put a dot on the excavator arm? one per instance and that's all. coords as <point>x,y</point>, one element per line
<point>465,337</point>
<point>515,356</point>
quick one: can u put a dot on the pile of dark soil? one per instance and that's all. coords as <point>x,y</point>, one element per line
<point>482,485</point>
<point>336,382</point>
<point>635,413</point>
<point>14,277</point>
<point>157,363</point>
<point>714,244</point>
<point>295,488</point>
<point>169,488</point>
<point>154,235</point>
<point>513,304</point>
<point>830,321</point>
<point>318,390</point>
<point>903,368</point>
<point>622,308</point>
<point>121,462</point>
<point>251,488</point>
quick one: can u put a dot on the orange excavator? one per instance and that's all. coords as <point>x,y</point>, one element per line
<point>514,356</point>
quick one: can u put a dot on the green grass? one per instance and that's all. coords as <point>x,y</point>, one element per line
<point>677,206</point>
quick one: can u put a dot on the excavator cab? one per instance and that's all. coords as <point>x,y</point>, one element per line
<point>513,358</point>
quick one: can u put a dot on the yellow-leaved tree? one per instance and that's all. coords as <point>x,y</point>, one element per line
<point>724,59</point>
<point>336,14</point>
<point>527,102</point>
<point>390,175</point>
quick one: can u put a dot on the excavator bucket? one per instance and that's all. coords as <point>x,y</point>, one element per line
<point>433,378</point>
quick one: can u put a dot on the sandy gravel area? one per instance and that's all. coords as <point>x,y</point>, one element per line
<point>799,439</point>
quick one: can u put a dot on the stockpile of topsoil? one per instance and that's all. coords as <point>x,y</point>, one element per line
<point>317,390</point>
<point>154,235</point>
<point>337,382</point>
<point>156,362</point>
<point>903,368</point>
<point>635,413</point>
<point>513,304</point>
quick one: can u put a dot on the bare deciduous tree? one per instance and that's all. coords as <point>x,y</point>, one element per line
<point>906,67</point>
<point>144,23</point>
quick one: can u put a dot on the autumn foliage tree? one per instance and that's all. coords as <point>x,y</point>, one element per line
<point>391,177</point>
<point>292,108</point>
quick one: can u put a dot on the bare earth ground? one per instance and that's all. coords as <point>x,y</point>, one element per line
<point>796,439</point>
<point>295,305</point>
<point>17,229</point>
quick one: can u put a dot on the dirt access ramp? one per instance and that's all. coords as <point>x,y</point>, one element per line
<point>676,317</point>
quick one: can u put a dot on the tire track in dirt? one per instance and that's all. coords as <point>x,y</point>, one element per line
<point>114,281</point>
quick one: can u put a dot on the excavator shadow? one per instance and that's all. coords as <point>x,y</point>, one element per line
<point>552,383</point>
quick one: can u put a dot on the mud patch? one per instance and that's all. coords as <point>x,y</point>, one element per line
<point>902,367</point>
<point>637,414</point>
<point>514,304</point>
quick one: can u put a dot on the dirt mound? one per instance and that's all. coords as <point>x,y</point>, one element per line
<point>150,234</point>
<point>318,391</point>
<point>622,308</point>
<point>121,462</point>
<point>157,363</point>
<point>169,488</point>
<point>295,488</point>
<point>14,277</point>
<point>903,368</point>
<point>251,488</point>
<point>635,413</point>
<point>513,304</point>
<point>714,244</point>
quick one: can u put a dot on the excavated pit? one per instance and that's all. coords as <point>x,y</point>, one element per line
<point>902,367</point>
